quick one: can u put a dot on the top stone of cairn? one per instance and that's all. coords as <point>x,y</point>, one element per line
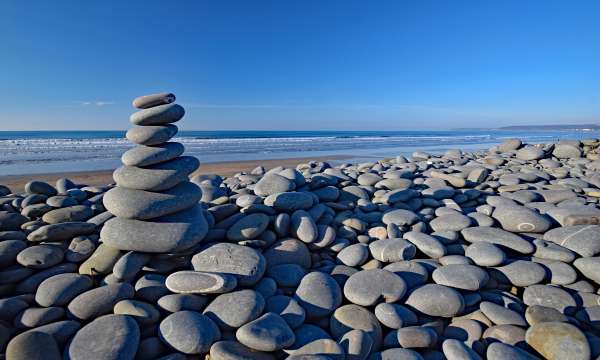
<point>148,101</point>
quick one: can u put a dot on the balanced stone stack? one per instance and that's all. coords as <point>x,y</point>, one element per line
<point>155,205</point>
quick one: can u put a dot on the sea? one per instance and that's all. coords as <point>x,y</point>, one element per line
<point>40,152</point>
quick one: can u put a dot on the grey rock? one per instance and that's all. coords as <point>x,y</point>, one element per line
<point>107,337</point>
<point>271,184</point>
<point>288,308</point>
<point>582,239</point>
<point>159,177</point>
<point>232,310</point>
<point>189,332</point>
<point>485,254</point>
<point>457,350</point>
<point>400,217</point>
<point>392,250</point>
<point>549,296</point>
<point>62,231</point>
<point>450,222</point>
<point>246,264</point>
<point>179,302</point>
<point>427,244</point>
<point>530,153</point>
<point>354,317</point>
<point>498,237</point>
<point>396,354</point>
<point>416,337</point>
<point>267,333</point>
<point>102,260</point>
<point>538,313</point>
<point>151,135</point>
<point>558,340</point>
<point>33,346</point>
<point>353,255</point>
<point>99,301</point>
<point>436,300</point>
<point>195,282</point>
<point>520,273</point>
<point>33,317</point>
<point>395,316</point>
<point>589,267</point>
<point>144,313</point>
<point>319,294</point>
<point>500,315</point>
<point>68,214</point>
<point>158,115</point>
<point>60,289</point>
<point>40,256</point>
<point>368,287</point>
<point>303,226</point>
<point>288,251</point>
<point>289,201</point>
<point>464,277</point>
<point>520,219</point>
<point>142,155</point>
<point>500,351</point>
<point>40,187</point>
<point>152,100</point>
<point>248,227</point>
<point>233,350</point>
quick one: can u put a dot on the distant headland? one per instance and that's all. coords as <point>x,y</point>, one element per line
<point>562,127</point>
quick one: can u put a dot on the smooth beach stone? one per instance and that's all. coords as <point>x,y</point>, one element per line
<point>392,250</point>
<point>288,308</point>
<point>144,205</point>
<point>152,100</point>
<point>509,334</point>
<point>157,115</point>
<point>416,337</point>
<point>248,227</point>
<point>60,289</point>
<point>107,337</point>
<point>30,285</point>
<point>560,273</point>
<point>394,316</point>
<point>457,350</point>
<point>68,214</point>
<point>33,346</point>
<point>99,301</point>
<point>61,201</point>
<point>11,220</point>
<point>357,344</point>
<point>33,317</point>
<point>40,187</point>
<point>159,177</point>
<point>288,251</point>
<point>450,222</point>
<point>246,264</point>
<point>464,277</point>
<point>321,347</point>
<point>129,265</point>
<point>368,287</point>
<point>40,256</point>
<point>62,231</point>
<point>271,184</point>
<point>426,244</point>
<point>558,340</point>
<point>102,260</point>
<point>396,354</point>
<point>169,233</point>
<point>14,274</point>
<point>11,307</point>
<point>144,313</point>
<point>510,145</point>
<point>319,294</point>
<point>549,296</point>
<point>142,155</point>
<point>267,333</point>
<point>195,282</point>
<point>179,302</point>
<point>35,210</point>
<point>189,332</point>
<point>289,201</point>
<point>9,249</point>
<point>353,255</point>
<point>303,226</point>
<point>232,310</point>
<point>436,300</point>
<point>400,217</point>
<point>538,313</point>
<point>520,219</point>
<point>551,251</point>
<point>305,334</point>
<point>354,317</point>
<point>233,350</point>
<point>501,315</point>
<point>485,254</point>
<point>582,239</point>
<point>287,275</point>
<point>498,236</point>
<point>501,351</point>
<point>567,149</point>
<point>589,267</point>
<point>412,272</point>
<point>151,287</point>
<point>530,153</point>
<point>151,135</point>
<point>520,273</point>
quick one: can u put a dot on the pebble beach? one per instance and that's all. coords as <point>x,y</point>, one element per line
<point>465,255</point>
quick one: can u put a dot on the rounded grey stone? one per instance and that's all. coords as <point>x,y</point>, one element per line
<point>485,254</point>
<point>303,226</point>
<point>158,115</point>
<point>68,214</point>
<point>416,337</point>
<point>319,294</point>
<point>60,289</point>
<point>142,155</point>
<point>355,317</point>
<point>40,256</point>
<point>582,239</point>
<point>246,264</point>
<point>233,350</point>
<point>273,184</point>
<point>144,205</point>
<point>195,282</point>
<point>395,316</point>
<point>400,217</point>
<point>589,267</point>
<point>288,309</point>
<point>412,272</point>
<point>99,301</point>
<point>520,273</point>
<point>558,340</point>
<point>152,100</point>
<point>107,337</point>
<point>189,332</point>
<point>151,135</point>
<point>368,287</point>
<point>62,231</point>
<point>354,255</point>
<point>288,251</point>
<point>450,222</point>
<point>179,302</point>
<point>392,250</point>
<point>457,350</point>
<point>248,227</point>
<point>460,276</point>
<point>498,236</point>
<point>436,300</point>
<point>549,296</point>
<point>501,351</point>
<point>40,187</point>
<point>159,177</point>
<point>521,219</point>
<point>33,346</point>
<point>267,333</point>
<point>144,313</point>
<point>500,315</point>
<point>34,317</point>
<point>232,310</point>
<point>289,201</point>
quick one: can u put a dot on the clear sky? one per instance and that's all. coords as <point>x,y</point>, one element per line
<point>301,65</point>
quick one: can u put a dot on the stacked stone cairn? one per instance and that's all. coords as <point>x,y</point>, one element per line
<point>155,204</point>
<point>463,255</point>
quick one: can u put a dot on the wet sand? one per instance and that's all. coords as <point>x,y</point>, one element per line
<point>104,177</point>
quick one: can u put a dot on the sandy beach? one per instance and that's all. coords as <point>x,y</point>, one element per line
<point>104,177</point>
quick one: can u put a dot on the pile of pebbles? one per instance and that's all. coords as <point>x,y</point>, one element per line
<point>466,255</point>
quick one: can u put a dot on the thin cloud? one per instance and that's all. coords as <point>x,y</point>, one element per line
<point>98,103</point>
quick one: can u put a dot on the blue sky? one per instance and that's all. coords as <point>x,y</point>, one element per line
<point>301,65</point>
